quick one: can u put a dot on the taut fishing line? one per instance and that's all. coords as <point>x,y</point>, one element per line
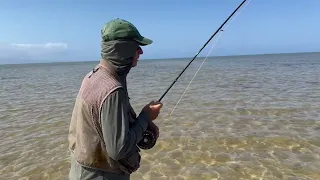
<point>221,32</point>
<point>149,138</point>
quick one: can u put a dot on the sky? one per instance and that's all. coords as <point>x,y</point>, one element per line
<point>60,30</point>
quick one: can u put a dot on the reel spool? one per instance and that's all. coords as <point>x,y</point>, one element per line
<point>148,140</point>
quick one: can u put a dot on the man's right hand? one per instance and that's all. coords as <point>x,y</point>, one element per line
<point>153,108</point>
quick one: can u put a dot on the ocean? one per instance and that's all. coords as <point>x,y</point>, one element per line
<point>243,117</point>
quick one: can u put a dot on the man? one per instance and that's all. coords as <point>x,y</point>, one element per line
<point>104,129</point>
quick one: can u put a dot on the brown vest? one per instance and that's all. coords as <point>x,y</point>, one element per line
<point>85,133</point>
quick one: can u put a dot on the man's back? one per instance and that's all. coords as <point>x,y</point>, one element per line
<point>85,137</point>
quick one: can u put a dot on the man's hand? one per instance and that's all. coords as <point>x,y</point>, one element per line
<point>153,108</point>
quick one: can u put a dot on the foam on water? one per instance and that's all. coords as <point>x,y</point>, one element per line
<point>254,117</point>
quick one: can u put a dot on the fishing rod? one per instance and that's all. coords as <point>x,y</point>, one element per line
<point>201,49</point>
<point>149,139</point>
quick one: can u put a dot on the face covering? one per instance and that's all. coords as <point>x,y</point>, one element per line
<point>118,54</point>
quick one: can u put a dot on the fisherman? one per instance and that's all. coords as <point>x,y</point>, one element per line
<point>104,129</point>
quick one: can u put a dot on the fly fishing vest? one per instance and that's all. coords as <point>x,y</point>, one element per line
<point>85,133</point>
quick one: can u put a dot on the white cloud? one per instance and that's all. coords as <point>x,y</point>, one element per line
<point>42,46</point>
<point>17,52</point>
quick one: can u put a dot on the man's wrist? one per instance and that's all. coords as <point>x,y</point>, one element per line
<point>147,115</point>
<point>145,118</point>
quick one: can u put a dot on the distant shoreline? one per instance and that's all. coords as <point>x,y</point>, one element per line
<point>173,58</point>
<point>244,55</point>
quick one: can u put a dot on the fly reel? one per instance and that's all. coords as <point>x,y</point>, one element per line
<point>148,140</point>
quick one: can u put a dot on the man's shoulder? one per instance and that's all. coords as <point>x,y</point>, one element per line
<point>95,88</point>
<point>100,81</point>
<point>118,92</point>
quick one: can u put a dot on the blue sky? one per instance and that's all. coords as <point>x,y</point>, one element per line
<point>67,30</point>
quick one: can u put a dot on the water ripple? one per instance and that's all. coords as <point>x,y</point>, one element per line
<point>242,118</point>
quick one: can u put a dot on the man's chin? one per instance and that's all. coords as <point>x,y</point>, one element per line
<point>134,64</point>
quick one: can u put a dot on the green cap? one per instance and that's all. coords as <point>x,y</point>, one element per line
<point>121,29</point>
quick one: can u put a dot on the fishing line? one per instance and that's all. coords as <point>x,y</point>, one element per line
<point>221,32</point>
<point>149,138</point>
<point>201,49</point>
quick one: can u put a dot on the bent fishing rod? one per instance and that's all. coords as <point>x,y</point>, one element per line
<point>149,137</point>
<point>201,50</point>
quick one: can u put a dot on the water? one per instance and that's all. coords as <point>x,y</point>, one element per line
<point>247,117</point>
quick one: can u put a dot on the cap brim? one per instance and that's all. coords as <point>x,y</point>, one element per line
<point>143,41</point>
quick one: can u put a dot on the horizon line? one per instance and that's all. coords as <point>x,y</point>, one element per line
<point>149,59</point>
